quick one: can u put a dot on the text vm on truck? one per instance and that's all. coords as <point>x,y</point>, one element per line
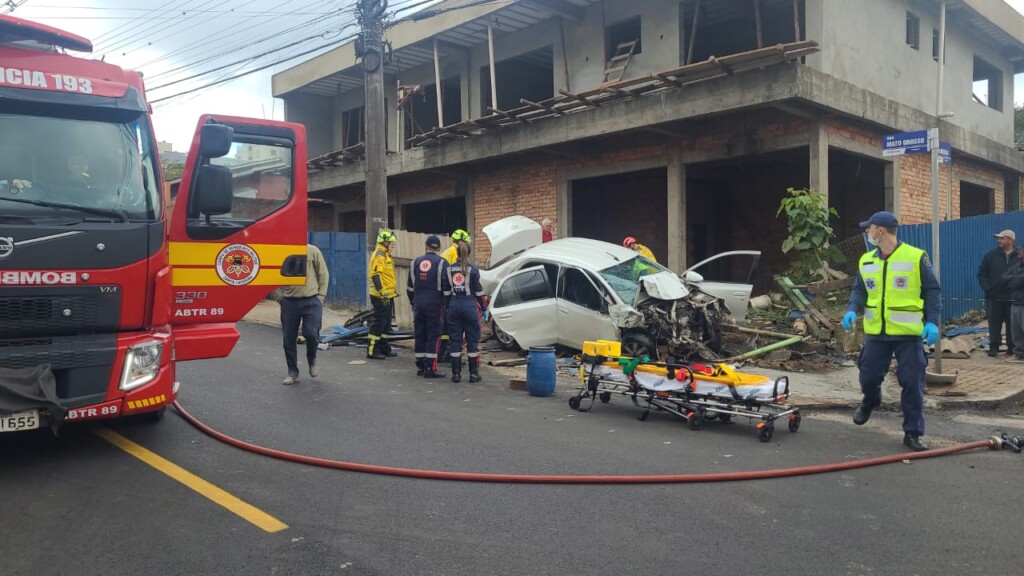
<point>106,281</point>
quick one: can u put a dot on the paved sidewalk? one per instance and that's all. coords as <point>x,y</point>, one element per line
<point>982,382</point>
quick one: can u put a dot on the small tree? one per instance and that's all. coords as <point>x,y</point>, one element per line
<point>807,216</point>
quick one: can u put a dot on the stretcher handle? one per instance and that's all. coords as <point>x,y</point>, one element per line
<point>775,391</point>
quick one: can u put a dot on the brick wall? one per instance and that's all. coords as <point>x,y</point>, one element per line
<point>915,186</point>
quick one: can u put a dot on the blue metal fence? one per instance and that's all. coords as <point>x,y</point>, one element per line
<point>963,242</point>
<point>345,253</point>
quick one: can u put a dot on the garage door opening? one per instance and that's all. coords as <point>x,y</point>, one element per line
<point>732,205</point>
<point>856,189</point>
<point>436,217</point>
<point>975,200</point>
<point>612,207</point>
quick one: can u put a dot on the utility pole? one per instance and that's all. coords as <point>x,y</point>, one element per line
<point>370,49</point>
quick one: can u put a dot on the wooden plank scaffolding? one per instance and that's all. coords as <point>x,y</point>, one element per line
<point>568,103</point>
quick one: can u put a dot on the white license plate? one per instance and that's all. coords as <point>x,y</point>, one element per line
<point>27,420</point>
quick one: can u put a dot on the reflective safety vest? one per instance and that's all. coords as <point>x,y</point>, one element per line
<point>645,252</point>
<point>451,254</point>
<point>895,306</point>
<point>382,274</point>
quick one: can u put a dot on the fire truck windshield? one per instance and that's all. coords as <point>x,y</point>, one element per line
<point>84,168</point>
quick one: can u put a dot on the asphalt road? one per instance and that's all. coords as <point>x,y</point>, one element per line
<point>79,505</point>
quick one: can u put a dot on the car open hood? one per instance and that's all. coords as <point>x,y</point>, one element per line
<point>664,286</point>
<point>510,236</point>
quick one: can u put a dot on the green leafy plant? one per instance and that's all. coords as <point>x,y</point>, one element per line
<point>807,220</point>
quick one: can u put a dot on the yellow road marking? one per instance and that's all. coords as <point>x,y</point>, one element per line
<point>244,510</point>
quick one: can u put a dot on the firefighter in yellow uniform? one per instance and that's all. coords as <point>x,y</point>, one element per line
<point>383,291</point>
<point>644,251</point>
<point>459,237</point>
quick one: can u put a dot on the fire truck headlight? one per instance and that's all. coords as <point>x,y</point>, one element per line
<point>141,364</point>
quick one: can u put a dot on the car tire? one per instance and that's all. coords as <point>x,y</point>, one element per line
<point>637,344</point>
<point>503,339</point>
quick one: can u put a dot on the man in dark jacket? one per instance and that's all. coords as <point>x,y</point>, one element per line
<point>1015,280</point>
<point>997,290</point>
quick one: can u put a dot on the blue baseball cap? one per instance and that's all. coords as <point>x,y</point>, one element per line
<point>433,242</point>
<point>884,219</point>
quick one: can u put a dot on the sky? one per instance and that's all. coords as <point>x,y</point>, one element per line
<point>171,41</point>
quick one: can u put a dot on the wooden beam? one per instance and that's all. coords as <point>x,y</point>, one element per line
<point>693,32</point>
<point>578,98</point>
<point>796,21</point>
<point>541,106</point>
<point>504,114</point>
<point>725,67</point>
<point>757,18</point>
<point>666,79</point>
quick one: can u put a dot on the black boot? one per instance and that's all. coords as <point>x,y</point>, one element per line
<point>419,366</point>
<point>474,369</point>
<point>430,369</point>
<point>456,369</point>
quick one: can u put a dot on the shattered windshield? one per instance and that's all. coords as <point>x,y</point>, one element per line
<point>624,278</point>
<point>78,168</point>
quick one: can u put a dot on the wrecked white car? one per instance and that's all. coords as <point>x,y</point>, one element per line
<point>575,289</point>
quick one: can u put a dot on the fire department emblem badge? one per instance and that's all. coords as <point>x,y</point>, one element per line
<point>900,282</point>
<point>425,266</point>
<point>237,264</point>
<point>459,279</point>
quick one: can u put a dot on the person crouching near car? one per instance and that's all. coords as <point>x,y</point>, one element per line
<point>466,300</point>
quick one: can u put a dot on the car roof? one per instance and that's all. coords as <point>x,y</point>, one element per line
<point>583,252</point>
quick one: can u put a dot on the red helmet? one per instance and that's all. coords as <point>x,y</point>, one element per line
<point>629,241</point>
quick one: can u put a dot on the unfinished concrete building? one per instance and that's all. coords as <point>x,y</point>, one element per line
<point>679,123</point>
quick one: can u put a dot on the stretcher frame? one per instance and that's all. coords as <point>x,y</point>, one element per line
<point>693,407</point>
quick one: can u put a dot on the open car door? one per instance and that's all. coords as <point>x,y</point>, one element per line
<point>238,228</point>
<point>732,276</point>
<point>524,308</point>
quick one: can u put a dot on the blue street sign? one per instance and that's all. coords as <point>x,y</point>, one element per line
<point>905,143</point>
<point>945,153</point>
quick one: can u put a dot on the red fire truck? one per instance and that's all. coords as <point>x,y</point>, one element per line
<point>105,282</point>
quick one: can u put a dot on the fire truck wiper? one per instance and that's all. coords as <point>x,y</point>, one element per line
<point>121,215</point>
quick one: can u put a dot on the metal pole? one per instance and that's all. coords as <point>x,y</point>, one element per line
<point>437,81</point>
<point>373,73</point>
<point>490,56</point>
<point>934,142</point>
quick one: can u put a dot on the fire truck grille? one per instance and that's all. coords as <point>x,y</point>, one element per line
<point>31,312</point>
<point>82,365</point>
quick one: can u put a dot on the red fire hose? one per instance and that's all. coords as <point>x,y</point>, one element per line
<point>993,443</point>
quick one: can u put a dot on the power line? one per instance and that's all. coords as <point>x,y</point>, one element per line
<point>10,5</point>
<point>110,34</point>
<point>264,67</point>
<point>155,26</point>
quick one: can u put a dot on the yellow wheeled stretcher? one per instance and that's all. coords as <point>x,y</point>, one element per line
<point>694,392</point>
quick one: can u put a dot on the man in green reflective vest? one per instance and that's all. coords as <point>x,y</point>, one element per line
<point>900,297</point>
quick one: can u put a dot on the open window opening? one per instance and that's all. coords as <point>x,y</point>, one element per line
<point>730,26</point>
<point>976,200</point>
<point>420,110</point>
<point>913,30</point>
<point>355,221</point>
<point>988,84</point>
<point>438,216</point>
<point>530,76</point>
<point>621,33</point>
<point>353,128</point>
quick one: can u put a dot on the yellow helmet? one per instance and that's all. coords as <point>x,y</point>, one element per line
<point>385,236</point>
<point>460,234</point>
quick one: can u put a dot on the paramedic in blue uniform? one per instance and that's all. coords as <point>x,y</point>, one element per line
<point>465,302</point>
<point>901,300</point>
<point>426,295</point>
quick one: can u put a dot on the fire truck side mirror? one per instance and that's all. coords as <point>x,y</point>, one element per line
<point>215,140</point>
<point>213,190</point>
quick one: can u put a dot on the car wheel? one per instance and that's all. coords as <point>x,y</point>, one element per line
<point>504,340</point>
<point>636,345</point>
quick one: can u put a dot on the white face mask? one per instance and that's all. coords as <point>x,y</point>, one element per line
<point>873,240</point>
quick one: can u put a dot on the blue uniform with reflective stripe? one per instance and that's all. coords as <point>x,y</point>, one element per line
<point>425,291</point>
<point>465,301</point>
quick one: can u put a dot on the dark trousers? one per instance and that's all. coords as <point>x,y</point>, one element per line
<point>380,327</point>
<point>1017,323</point>
<point>464,320</point>
<point>874,361</point>
<point>998,314</point>
<point>309,313</point>
<point>426,318</point>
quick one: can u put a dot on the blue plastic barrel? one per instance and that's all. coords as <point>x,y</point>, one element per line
<point>540,371</point>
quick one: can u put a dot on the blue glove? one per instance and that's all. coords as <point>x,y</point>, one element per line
<point>931,333</point>
<point>849,320</point>
<point>487,315</point>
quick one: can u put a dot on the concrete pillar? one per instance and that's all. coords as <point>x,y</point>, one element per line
<point>676,212</point>
<point>819,159</point>
<point>892,186</point>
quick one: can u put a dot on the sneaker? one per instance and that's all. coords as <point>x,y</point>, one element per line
<point>301,339</point>
<point>914,443</point>
<point>290,380</point>
<point>313,370</point>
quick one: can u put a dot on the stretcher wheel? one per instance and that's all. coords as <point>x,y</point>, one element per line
<point>765,434</point>
<point>725,418</point>
<point>794,423</point>
<point>696,421</point>
<point>643,415</point>
<point>574,402</point>
<point>711,416</point>
<point>605,397</point>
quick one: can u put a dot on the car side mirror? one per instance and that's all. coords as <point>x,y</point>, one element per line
<point>215,140</point>
<point>213,190</point>
<point>604,308</point>
<point>693,277</point>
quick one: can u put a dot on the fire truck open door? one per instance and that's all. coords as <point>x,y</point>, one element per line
<point>237,228</point>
